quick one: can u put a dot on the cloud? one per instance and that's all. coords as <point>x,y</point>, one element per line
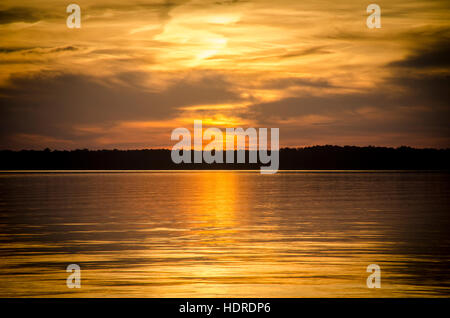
<point>283,83</point>
<point>38,50</point>
<point>52,104</point>
<point>404,109</point>
<point>162,8</point>
<point>434,56</point>
<point>23,14</point>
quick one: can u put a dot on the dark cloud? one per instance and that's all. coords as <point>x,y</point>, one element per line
<point>229,2</point>
<point>14,49</point>
<point>38,49</point>
<point>64,48</point>
<point>430,91</point>
<point>162,9</point>
<point>280,83</point>
<point>310,51</point>
<point>425,90</point>
<point>331,104</point>
<point>271,55</point>
<point>422,35</point>
<point>50,104</point>
<point>413,107</point>
<point>436,56</point>
<point>22,14</point>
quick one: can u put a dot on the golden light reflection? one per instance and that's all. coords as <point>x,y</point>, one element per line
<point>213,210</point>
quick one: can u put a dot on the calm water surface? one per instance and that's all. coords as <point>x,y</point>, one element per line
<point>216,234</point>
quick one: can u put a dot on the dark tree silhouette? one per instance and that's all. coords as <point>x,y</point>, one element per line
<point>317,157</point>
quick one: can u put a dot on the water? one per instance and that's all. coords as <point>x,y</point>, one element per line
<point>217,234</point>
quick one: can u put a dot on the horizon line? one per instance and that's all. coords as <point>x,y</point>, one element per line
<point>246,149</point>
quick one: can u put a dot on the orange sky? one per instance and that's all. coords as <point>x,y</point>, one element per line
<point>136,70</point>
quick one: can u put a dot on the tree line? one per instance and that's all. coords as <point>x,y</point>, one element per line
<point>307,158</point>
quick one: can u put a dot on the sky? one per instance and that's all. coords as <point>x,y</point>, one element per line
<point>136,70</point>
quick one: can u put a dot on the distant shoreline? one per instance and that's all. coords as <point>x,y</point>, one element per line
<point>308,158</point>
